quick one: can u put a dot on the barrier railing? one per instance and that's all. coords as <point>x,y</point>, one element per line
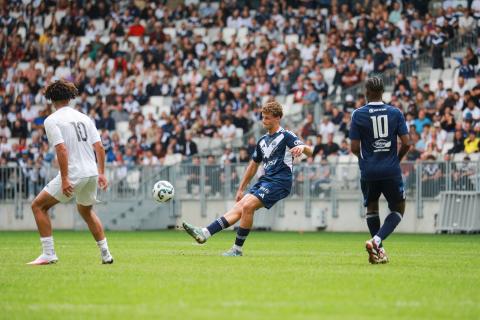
<point>319,181</point>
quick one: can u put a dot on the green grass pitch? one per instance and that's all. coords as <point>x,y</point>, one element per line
<point>163,275</point>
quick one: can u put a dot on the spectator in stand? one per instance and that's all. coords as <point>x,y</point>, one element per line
<point>472,143</point>
<point>330,148</point>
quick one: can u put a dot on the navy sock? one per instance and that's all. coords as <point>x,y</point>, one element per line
<point>391,222</point>
<point>373,222</point>
<point>218,225</point>
<point>241,236</point>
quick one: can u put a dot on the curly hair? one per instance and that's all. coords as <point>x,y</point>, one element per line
<point>274,108</point>
<point>61,90</point>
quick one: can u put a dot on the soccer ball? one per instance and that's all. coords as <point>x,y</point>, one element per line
<point>163,191</point>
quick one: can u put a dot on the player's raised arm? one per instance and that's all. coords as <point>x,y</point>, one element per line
<point>298,147</point>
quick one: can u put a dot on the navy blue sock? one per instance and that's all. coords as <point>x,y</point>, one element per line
<point>218,225</point>
<point>391,222</point>
<point>241,236</point>
<point>373,222</point>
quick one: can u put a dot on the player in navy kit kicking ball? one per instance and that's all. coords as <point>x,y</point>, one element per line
<point>276,150</point>
<point>374,131</point>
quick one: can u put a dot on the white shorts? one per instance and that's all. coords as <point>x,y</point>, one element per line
<point>84,190</point>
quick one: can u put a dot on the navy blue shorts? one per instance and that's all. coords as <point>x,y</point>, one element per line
<point>393,190</point>
<point>269,192</point>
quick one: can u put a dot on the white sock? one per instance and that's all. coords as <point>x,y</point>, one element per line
<point>238,248</point>
<point>47,245</point>
<point>206,233</point>
<point>377,240</point>
<point>103,246</point>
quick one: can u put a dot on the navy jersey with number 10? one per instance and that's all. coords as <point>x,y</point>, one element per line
<point>377,126</point>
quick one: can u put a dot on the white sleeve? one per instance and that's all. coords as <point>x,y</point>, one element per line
<point>93,133</point>
<point>54,134</point>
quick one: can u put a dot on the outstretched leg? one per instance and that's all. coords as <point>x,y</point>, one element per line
<point>229,218</point>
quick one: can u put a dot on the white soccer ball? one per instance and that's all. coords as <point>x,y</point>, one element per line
<point>163,191</point>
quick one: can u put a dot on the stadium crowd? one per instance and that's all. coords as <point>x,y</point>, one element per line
<point>214,63</point>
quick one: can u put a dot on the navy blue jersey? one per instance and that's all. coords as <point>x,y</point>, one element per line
<point>377,126</point>
<point>274,151</point>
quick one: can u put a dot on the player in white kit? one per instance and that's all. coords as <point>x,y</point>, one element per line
<point>75,138</point>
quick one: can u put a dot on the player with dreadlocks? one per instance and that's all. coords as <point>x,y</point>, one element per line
<point>75,138</point>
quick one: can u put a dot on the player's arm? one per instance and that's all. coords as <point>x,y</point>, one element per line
<point>354,136</point>
<point>100,152</point>
<point>62,156</point>
<point>355,147</point>
<point>302,149</point>
<point>298,147</point>
<point>404,137</point>
<point>405,140</point>
<point>100,155</point>
<point>247,176</point>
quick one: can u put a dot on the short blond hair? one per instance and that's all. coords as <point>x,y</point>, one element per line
<point>274,108</point>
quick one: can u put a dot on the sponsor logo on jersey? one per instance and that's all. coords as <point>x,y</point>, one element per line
<point>381,145</point>
<point>269,164</point>
<point>376,110</point>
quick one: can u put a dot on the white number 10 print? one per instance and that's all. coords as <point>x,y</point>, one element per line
<point>380,126</point>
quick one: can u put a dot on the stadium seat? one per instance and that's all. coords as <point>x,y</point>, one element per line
<point>213,33</point>
<point>343,159</point>
<point>147,109</point>
<point>203,143</point>
<point>156,101</point>
<point>291,38</point>
<point>134,40</point>
<point>171,32</point>
<point>281,99</point>
<point>458,157</point>
<point>99,24</point>
<point>123,130</point>
<point>289,100</point>
<point>328,75</point>
<point>242,35</point>
<point>387,96</point>
<point>216,143</point>
<point>333,159</point>
<point>172,159</point>
<point>447,146</point>
<point>474,157</point>
<point>200,31</point>
<point>133,179</point>
<point>227,34</point>
<point>472,82</point>
<point>238,133</point>
<point>346,175</point>
<point>435,75</point>
<point>23,65</point>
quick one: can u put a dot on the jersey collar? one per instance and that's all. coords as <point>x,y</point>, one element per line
<point>279,130</point>
<point>376,103</point>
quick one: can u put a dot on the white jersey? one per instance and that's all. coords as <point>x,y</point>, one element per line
<point>78,133</point>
